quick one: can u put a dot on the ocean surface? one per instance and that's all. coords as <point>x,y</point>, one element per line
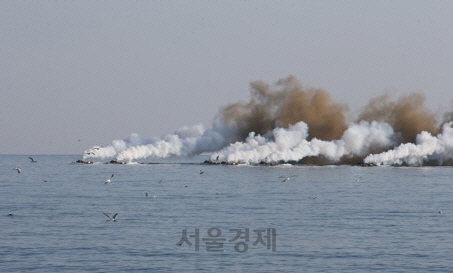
<point>325,219</point>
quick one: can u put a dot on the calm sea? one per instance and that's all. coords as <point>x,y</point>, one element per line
<point>326,219</point>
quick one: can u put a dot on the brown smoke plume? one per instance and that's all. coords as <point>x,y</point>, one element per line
<point>408,116</point>
<point>287,104</point>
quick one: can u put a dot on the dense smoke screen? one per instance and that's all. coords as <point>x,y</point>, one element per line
<point>289,123</point>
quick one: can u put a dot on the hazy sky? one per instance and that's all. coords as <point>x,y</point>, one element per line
<point>96,71</point>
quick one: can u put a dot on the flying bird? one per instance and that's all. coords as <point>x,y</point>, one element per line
<point>113,218</point>
<point>201,172</point>
<point>286,178</point>
<point>110,179</point>
<point>32,160</point>
<point>17,169</point>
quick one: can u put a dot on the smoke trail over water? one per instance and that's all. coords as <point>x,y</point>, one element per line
<point>185,141</point>
<point>429,149</point>
<point>287,122</point>
<point>291,144</point>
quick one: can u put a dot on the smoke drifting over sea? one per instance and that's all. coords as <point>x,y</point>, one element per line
<point>288,123</point>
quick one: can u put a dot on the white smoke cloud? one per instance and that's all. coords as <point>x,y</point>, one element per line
<point>184,142</point>
<point>283,145</point>
<point>291,144</point>
<point>426,148</point>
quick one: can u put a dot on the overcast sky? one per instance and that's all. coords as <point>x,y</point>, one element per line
<point>96,71</point>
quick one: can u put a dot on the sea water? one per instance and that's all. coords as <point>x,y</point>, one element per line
<point>321,219</point>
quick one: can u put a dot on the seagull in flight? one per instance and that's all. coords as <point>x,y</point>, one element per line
<point>113,218</point>
<point>17,169</point>
<point>32,160</point>
<point>201,172</point>
<point>110,179</point>
<point>286,178</point>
